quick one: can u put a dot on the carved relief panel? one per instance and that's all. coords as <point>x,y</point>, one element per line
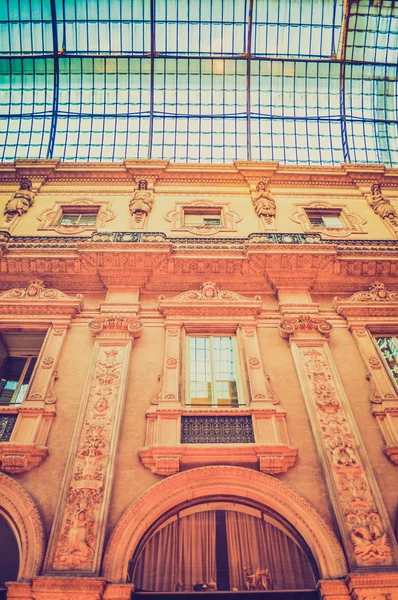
<point>360,512</point>
<point>78,530</point>
<point>372,315</point>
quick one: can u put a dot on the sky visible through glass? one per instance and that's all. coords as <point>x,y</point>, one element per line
<point>294,81</point>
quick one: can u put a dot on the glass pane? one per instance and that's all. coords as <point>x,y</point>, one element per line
<point>192,219</point>
<point>225,376</point>
<point>332,221</point>
<point>67,219</point>
<point>22,390</point>
<point>200,384</point>
<point>11,373</point>
<point>389,349</point>
<point>88,219</point>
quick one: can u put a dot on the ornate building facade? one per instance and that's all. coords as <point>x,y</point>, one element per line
<point>199,379</point>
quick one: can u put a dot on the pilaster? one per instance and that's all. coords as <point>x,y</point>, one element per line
<point>76,541</point>
<point>364,525</point>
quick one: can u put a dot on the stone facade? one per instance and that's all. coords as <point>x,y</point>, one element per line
<point>94,454</point>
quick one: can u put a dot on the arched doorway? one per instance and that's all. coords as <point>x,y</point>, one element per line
<point>9,553</point>
<point>236,485</point>
<point>225,546</point>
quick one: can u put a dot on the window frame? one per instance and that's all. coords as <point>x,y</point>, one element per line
<point>203,212</point>
<point>391,333</point>
<point>77,211</point>
<point>14,398</point>
<point>240,390</point>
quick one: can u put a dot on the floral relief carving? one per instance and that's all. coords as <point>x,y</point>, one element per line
<point>228,218</point>
<point>361,516</point>
<point>171,363</point>
<point>351,222</point>
<point>47,362</point>
<point>78,532</point>
<point>254,363</point>
<point>374,363</point>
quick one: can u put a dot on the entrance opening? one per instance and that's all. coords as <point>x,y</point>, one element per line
<point>9,555</point>
<point>223,546</point>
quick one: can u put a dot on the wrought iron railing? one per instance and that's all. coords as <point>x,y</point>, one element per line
<point>216,429</point>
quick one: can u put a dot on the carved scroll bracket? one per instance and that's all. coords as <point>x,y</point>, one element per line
<point>305,325</point>
<point>115,325</point>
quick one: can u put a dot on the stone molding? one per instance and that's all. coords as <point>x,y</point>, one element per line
<point>36,299</point>
<point>378,301</point>
<point>237,482</point>
<point>26,523</point>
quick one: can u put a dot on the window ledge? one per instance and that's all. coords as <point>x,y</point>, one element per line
<point>19,458</point>
<point>168,460</point>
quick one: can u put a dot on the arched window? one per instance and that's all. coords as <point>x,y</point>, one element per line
<point>225,546</point>
<point>9,555</point>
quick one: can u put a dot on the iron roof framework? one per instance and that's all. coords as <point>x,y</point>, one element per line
<point>294,81</point>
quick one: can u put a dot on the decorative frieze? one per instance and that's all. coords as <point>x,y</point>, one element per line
<point>79,526</point>
<point>362,519</point>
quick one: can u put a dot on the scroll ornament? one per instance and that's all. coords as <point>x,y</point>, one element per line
<point>36,290</point>
<point>141,203</point>
<point>116,323</point>
<point>382,205</point>
<point>377,293</point>
<point>21,201</point>
<point>304,323</point>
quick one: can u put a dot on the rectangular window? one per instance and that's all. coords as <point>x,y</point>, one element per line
<point>325,219</point>
<point>82,219</point>
<point>211,371</point>
<point>388,346</point>
<point>202,217</point>
<point>18,357</point>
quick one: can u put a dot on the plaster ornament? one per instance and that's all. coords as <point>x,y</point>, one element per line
<point>377,293</point>
<point>116,323</point>
<point>264,205</point>
<point>358,506</point>
<point>21,201</point>
<point>382,205</point>
<point>209,291</point>
<point>303,323</point>
<point>141,204</point>
<point>81,519</point>
<point>157,395</point>
<point>36,290</point>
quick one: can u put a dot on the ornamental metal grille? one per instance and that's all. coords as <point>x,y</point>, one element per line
<point>7,423</point>
<point>294,81</point>
<point>217,430</point>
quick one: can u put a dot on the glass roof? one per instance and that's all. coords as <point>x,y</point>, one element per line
<point>294,81</point>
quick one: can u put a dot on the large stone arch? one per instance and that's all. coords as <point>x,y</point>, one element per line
<point>21,512</point>
<point>236,482</point>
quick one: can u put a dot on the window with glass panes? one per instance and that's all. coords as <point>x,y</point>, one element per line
<point>325,219</point>
<point>388,346</point>
<point>212,371</point>
<point>202,217</point>
<point>18,357</point>
<point>75,218</point>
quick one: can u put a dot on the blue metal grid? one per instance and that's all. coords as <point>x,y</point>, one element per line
<point>294,81</point>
